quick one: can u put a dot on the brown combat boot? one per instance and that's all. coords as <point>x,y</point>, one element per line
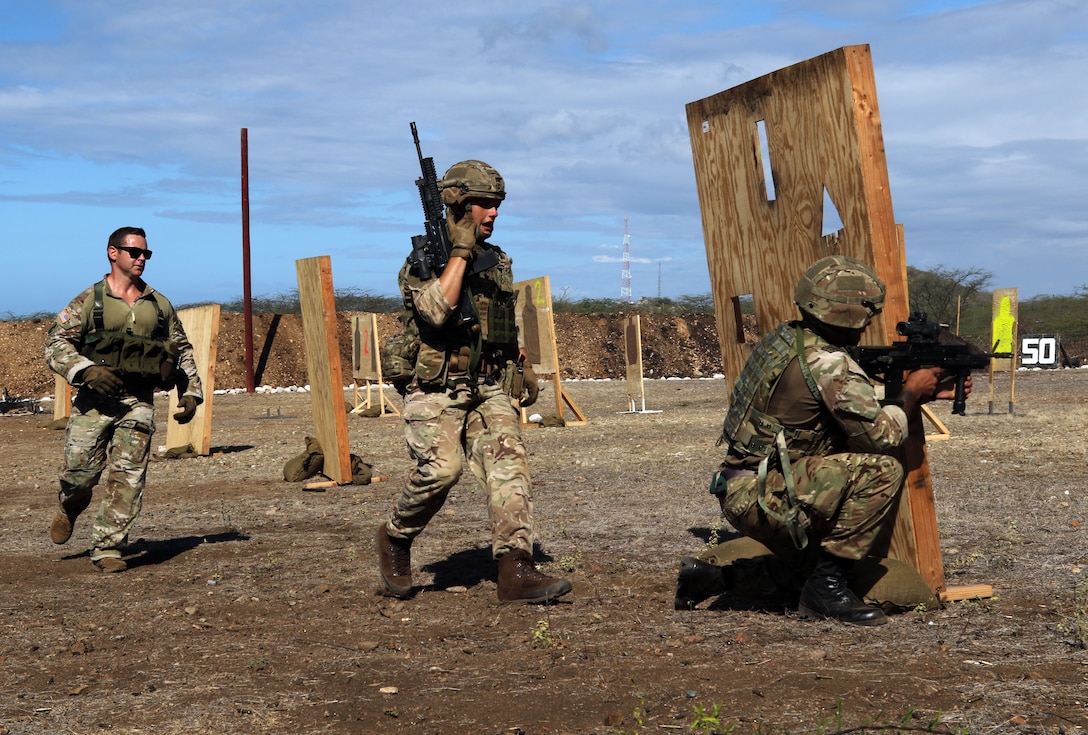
<point>110,564</point>
<point>395,563</point>
<point>520,581</point>
<point>60,530</point>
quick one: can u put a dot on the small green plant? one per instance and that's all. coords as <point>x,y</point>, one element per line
<point>1077,625</point>
<point>962,563</point>
<point>1013,534</point>
<point>710,722</point>
<point>715,534</point>
<point>569,562</point>
<point>541,636</point>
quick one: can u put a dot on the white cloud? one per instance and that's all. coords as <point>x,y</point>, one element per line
<point>128,111</point>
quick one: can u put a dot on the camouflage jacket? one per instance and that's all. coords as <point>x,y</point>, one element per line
<point>68,334</point>
<point>449,349</point>
<point>832,409</point>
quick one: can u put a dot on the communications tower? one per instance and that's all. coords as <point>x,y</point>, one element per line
<point>625,278</point>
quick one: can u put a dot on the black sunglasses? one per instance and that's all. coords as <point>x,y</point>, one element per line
<point>134,253</point>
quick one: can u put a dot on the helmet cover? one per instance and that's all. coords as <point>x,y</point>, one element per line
<point>471,179</point>
<point>840,291</point>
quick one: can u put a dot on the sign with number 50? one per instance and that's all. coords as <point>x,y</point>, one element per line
<point>1039,351</point>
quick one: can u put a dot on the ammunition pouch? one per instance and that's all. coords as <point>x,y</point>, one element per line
<point>400,353</point>
<point>497,321</point>
<point>519,382</point>
<point>139,359</point>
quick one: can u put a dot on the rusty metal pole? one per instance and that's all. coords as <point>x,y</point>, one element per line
<point>247,294</point>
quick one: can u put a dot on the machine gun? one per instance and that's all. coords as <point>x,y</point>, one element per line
<point>927,345</point>
<point>431,251</point>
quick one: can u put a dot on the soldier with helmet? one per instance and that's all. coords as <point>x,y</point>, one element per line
<point>806,471</point>
<point>457,394</point>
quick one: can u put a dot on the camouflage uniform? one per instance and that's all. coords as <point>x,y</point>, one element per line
<point>455,405</point>
<point>112,434</point>
<point>827,418</point>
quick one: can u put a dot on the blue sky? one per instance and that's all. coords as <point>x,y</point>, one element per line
<point>129,113</point>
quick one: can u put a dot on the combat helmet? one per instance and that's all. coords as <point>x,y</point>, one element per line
<point>469,179</point>
<point>840,291</point>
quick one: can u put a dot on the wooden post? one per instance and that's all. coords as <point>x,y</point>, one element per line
<point>632,356</point>
<point>62,398</point>
<point>366,364</point>
<point>536,324</point>
<point>323,368</point>
<point>202,328</point>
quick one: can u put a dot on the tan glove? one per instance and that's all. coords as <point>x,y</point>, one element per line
<point>188,405</point>
<point>530,389</point>
<point>463,233</point>
<point>104,380</point>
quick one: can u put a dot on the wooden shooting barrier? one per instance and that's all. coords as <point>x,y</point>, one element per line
<point>1005,338</point>
<point>632,357</point>
<point>771,156</point>
<point>536,323</point>
<point>62,398</point>
<point>366,365</point>
<point>323,365</point>
<point>201,325</point>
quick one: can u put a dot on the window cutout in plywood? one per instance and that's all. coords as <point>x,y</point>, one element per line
<point>744,320</point>
<point>832,222</point>
<point>765,160</point>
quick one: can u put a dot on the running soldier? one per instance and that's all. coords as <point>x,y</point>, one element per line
<point>117,342</point>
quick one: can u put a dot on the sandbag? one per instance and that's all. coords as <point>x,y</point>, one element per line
<point>312,462</point>
<point>890,584</point>
<point>305,465</point>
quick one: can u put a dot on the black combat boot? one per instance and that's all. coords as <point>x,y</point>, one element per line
<point>826,595</point>
<point>395,563</point>
<point>520,581</point>
<point>700,580</point>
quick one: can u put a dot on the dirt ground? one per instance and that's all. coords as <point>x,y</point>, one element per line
<point>250,604</point>
<point>251,607</point>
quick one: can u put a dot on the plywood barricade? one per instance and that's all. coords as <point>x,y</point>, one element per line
<point>201,325</point>
<point>632,356</point>
<point>770,156</point>
<point>537,325</point>
<point>62,398</point>
<point>323,365</point>
<point>1005,338</point>
<point>366,365</point>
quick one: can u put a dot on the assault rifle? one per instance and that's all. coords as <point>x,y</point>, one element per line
<point>431,251</point>
<point>927,345</point>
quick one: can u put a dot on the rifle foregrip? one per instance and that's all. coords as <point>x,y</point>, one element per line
<point>959,401</point>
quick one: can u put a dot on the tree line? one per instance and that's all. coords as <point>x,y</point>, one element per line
<point>960,298</point>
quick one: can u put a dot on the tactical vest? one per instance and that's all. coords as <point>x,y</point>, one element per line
<point>748,431</point>
<point>151,359</point>
<point>455,353</point>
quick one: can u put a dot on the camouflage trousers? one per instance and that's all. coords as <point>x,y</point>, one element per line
<point>843,503</point>
<point>111,436</point>
<point>446,430</point>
